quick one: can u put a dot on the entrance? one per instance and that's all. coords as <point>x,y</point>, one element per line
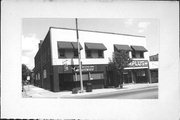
<point>141,75</point>
<point>127,77</point>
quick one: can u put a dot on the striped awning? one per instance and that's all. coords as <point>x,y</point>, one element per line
<point>139,48</point>
<point>122,47</point>
<point>95,46</point>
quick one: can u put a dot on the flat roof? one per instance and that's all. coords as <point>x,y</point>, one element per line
<point>97,31</point>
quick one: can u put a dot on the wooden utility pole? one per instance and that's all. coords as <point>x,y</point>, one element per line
<point>79,57</point>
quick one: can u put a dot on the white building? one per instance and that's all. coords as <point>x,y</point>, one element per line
<point>58,53</point>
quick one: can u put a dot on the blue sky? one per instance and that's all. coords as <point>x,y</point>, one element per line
<point>35,29</point>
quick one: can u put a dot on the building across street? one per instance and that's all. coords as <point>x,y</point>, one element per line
<point>56,62</point>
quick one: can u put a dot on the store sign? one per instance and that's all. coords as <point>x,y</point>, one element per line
<point>139,63</point>
<point>86,68</point>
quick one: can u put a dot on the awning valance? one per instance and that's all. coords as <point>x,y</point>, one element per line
<point>139,48</point>
<point>122,47</point>
<point>95,46</point>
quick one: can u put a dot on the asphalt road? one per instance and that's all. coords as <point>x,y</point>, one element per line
<point>146,93</point>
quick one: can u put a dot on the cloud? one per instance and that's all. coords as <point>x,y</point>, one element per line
<point>143,25</point>
<point>29,49</point>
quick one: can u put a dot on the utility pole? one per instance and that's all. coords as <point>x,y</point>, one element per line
<point>79,57</point>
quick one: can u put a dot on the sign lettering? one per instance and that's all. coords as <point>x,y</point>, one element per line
<point>139,63</point>
<point>86,68</point>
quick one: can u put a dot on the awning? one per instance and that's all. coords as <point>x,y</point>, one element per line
<point>75,45</point>
<point>64,45</point>
<point>139,48</point>
<point>95,46</point>
<point>122,47</point>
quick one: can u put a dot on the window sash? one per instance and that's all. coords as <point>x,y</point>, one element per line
<point>88,54</point>
<point>75,53</point>
<point>100,54</point>
<point>61,53</point>
<point>137,54</point>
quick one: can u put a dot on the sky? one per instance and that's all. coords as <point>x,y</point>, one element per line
<point>35,29</point>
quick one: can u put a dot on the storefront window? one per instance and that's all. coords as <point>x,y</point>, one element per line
<point>141,73</point>
<point>95,76</point>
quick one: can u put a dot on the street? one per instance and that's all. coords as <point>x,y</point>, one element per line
<point>146,93</point>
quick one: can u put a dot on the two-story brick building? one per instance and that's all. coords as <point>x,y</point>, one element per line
<point>56,62</point>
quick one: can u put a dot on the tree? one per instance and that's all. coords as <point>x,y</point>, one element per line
<point>25,72</point>
<point>120,60</point>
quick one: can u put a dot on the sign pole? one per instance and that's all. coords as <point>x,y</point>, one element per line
<point>79,57</point>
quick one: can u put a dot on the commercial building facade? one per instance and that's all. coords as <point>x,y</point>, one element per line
<point>153,66</point>
<point>56,62</point>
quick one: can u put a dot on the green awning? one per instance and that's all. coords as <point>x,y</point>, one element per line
<point>122,47</point>
<point>139,48</point>
<point>75,45</point>
<point>95,46</point>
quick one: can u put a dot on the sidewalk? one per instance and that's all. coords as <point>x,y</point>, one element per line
<point>36,92</point>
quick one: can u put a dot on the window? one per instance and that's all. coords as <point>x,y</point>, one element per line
<point>75,53</point>
<point>95,76</point>
<point>61,53</point>
<point>100,54</point>
<point>88,54</point>
<point>44,74</point>
<point>137,54</point>
<point>133,54</point>
<point>36,77</point>
<point>141,55</point>
<point>39,76</point>
<point>141,73</point>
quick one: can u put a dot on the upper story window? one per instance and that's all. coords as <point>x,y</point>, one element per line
<point>100,54</point>
<point>141,54</point>
<point>61,53</point>
<point>95,50</point>
<point>68,49</point>
<point>75,53</point>
<point>138,51</point>
<point>88,54</point>
<point>137,54</point>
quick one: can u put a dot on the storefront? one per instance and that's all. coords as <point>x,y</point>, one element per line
<point>137,72</point>
<point>69,78</point>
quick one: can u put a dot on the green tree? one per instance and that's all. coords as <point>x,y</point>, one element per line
<point>120,60</point>
<point>25,72</point>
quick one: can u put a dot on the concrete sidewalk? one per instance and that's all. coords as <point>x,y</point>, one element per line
<point>36,92</point>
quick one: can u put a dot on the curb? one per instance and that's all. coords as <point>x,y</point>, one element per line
<point>120,91</point>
